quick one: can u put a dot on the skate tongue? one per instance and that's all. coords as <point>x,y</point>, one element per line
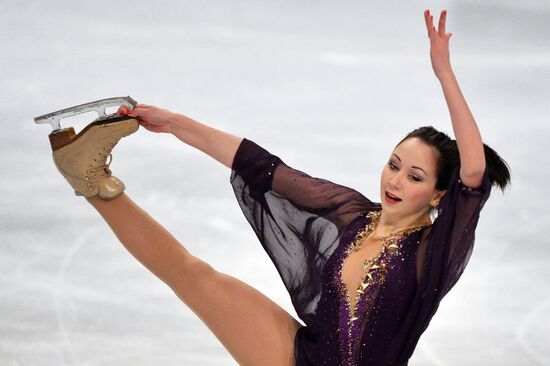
<point>101,171</point>
<point>107,164</point>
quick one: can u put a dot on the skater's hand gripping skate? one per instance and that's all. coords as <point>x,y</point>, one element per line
<point>152,118</point>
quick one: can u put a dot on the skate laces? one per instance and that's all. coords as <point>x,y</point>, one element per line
<point>95,172</point>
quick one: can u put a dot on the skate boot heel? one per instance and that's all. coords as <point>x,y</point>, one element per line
<point>61,138</point>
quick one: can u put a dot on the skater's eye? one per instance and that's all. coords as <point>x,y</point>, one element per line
<point>394,167</point>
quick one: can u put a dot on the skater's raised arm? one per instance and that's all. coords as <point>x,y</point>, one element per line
<point>468,137</point>
<point>220,145</point>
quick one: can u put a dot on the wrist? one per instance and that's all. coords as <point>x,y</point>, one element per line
<point>175,124</point>
<point>185,129</point>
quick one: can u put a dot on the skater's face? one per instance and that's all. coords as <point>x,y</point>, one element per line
<point>410,174</point>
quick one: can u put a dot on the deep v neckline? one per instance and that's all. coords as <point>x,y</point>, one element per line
<point>373,269</point>
<point>372,221</point>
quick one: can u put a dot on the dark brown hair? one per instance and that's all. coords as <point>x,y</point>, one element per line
<point>448,157</point>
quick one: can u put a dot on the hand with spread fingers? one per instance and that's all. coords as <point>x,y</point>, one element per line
<point>439,43</point>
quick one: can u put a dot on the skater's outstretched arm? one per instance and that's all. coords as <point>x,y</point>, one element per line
<point>220,145</point>
<point>468,138</point>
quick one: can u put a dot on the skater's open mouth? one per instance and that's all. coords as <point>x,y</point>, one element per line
<point>392,196</point>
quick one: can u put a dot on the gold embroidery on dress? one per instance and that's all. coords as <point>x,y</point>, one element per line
<point>374,272</point>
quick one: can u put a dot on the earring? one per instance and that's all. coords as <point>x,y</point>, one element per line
<point>434,211</point>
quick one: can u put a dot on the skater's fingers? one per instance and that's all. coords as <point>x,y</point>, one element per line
<point>136,112</point>
<point>122,110</point>
<point>442,19</point>
<point>139,109</point>
<point>428,19</point>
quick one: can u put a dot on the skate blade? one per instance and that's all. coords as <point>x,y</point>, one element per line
<point>99,106</point>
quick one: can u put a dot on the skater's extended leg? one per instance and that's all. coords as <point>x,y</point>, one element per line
<point>254,329</point>
<point>147,240</point>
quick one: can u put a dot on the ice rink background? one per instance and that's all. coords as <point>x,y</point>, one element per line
<point>330,87</point>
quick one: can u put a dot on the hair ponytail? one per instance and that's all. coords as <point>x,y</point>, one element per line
<point>448,159</point>
<point>499,170</point>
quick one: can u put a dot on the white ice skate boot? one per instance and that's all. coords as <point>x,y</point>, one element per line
<point>82,158</point>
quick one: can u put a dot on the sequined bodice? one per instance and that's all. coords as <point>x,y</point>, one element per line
<point>356,305</point>
<point>373,263</point>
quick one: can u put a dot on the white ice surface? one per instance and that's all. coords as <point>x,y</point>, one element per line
<point>331,87</point>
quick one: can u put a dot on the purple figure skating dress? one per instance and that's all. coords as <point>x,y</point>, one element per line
<point>309,225</point>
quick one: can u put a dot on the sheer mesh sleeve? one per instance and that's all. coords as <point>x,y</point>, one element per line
<point>445,249</point>
<point>296,217</point>
<point>453,231</point>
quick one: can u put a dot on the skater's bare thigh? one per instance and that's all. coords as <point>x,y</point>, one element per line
<point>254,329</point>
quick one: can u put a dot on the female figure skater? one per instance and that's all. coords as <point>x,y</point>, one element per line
<point>365,277</point>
